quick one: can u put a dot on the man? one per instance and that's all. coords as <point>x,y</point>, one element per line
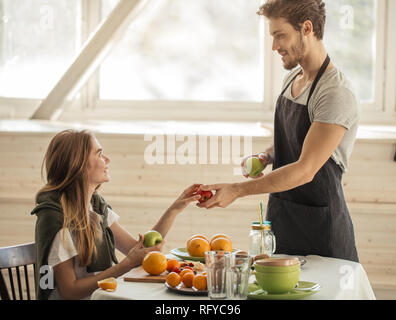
<point>315,126</point>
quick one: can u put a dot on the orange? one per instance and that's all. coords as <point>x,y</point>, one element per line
<point>109,284</point>
<point>197,247</point>
<point>173,279</point>
<point>200,282</point>
<point>188,279</point>
<point>172,263</point>
<point>154,263</point>
<point>184,271</point>
<point>196,236</point>
<point>218,235</point>
<point>221,244</point>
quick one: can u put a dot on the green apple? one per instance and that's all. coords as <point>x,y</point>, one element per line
<point>253,166</point>
<point>152,238</point>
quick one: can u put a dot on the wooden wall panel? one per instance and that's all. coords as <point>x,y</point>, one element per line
<point>140,193</point>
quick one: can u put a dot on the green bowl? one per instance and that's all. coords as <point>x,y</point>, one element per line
<point>278,282</point>
<point>276,269</point>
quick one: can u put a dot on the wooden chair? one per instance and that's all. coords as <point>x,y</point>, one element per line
<point>16,257</point>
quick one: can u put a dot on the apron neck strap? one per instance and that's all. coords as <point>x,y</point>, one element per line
<point>317,78</point>
<point>322,70</point>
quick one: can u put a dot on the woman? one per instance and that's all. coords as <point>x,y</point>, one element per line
<point>76,230</point>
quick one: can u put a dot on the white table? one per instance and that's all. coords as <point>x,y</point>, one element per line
<point>339,280</point>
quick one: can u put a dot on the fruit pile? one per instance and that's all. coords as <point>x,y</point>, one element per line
<point>191,274</point>
<point>188,273</point>
<point>198,244</point>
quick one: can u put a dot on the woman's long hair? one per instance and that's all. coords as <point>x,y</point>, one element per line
<point>66,163</point>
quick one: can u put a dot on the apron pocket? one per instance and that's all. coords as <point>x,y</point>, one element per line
<point>299,229</point>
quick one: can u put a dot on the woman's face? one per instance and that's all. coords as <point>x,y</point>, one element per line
<point>97,165</point>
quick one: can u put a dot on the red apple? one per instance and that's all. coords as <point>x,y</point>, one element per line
<point>205,195</point>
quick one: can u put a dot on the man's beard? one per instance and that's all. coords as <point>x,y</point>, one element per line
<point>297,52</point>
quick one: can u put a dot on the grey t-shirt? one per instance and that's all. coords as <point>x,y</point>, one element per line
<point>333,101</point>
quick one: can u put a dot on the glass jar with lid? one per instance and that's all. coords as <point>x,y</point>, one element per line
<point>262,239</point>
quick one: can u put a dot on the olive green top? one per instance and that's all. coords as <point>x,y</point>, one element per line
<point>50,220</point>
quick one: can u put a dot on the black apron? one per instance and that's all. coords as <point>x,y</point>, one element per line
<point>312,219</point>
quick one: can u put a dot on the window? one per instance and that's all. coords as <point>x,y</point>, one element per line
<point>194,59</point>
<point>350,38</point>
<point>39,39</point>
<point>171,58</point>
<point>190,51</point>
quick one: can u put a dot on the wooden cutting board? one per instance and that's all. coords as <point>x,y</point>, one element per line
<point>139,275</point>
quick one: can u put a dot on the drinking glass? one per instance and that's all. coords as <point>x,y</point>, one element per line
<point>217,265</point>
<point>238,276</point>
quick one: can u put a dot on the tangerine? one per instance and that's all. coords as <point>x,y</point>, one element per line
<point>200,282</point>
<point>154,263</point>
<point>197,236</point>
<point>197,247</point>
<point>172,263</point>
<point>188,279</point>
<point>109,284</point>
<point>218,235</point>
<point>221,244</point>
<point>184,271</point>
<point>173,279</point>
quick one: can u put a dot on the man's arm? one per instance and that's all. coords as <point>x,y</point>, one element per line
<point>321,141</point>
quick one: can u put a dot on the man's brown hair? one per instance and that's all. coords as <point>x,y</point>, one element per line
<point>296,12</point>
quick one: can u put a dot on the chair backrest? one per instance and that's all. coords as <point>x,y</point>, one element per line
<point>16,257</point>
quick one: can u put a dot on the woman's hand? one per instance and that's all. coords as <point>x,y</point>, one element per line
<point>184,199</point>
<point>139,251</point>
<point>165,222</point>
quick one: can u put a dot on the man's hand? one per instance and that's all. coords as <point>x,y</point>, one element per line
<point>226,193</point>
<point>265,160</point>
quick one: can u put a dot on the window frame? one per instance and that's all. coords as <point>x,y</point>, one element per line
<point>377,106</point>
<point>182,110</point>
<point>24,107</point>
<point>382,111</point>
<point>377,111</point>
